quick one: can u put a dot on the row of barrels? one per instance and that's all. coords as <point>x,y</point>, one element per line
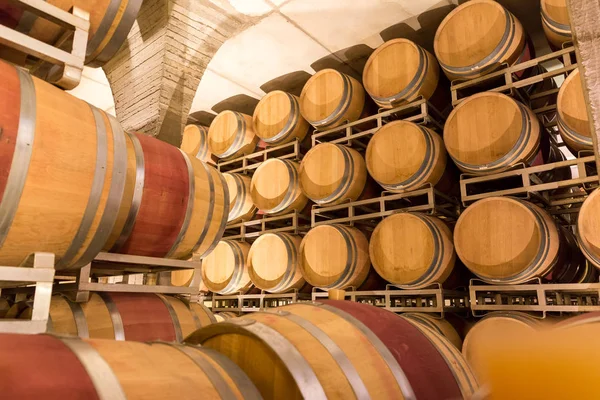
<point>499,239</point>
<point>73,183</point>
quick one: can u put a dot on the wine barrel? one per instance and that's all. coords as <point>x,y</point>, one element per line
<point>556,22</point>
<point>110,23</point>
<point>476,38</point>
<point>195,143</point>
<point>4,307</point>
<point>588,227</point>
<point>330,98</point>
<point>231,135</point>
<point>505,240</point>
<point>241,207</point>
<point>275,187</point>
<point>400,71</point>
<point>332,174</point>
<point>439,325</point>
<point>277,119</point>
<point>412,250</point>
<point>273,262</point>
<point>62,169</point>
<point>310,352</point>
<point>334,257</point>
<point>72,368</point>
<point>490,132</point>
<point>224,316</point>
<point>123,316</point>
<point>225,270</point>
<point>173,206</point>
<point>404,156</point>
<point>573,120</point>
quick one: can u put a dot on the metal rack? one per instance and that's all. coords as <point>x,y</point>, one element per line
<point>294,223</point>
<point>250,162</point>
<point>255,302</point>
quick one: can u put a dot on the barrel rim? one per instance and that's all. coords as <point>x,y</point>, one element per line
<point>553,24</point>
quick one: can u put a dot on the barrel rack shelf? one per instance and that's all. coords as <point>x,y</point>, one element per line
<point>294,223</point>
<point>255,302</point>
<point>76,25</point>
<point>250,162</point>
<point>537,297</point>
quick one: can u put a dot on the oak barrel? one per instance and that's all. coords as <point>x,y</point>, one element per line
<point>275,187</point>
<point>400,71</point>
<point>62,172</point>
<point>173,206</point>
<point>331,98</point>
<point>506,240</point>
<point>225,269</point>
<point>588,228</point>
<point>277,119</point>
<point>476,38</point>
<point>332,174</point>
<point>224,316</point>
<point>573,120</point>
<point>195,143</point>
<point>490,132</point>
<point>556,22</point>
<point>274,262</point>
<point>439,325</point>
<point>403,156</point>
<point>96,369</point>
<point>231,135</point>
<point>241,207</point>
<point>412,250</point>
<point>334,257</point>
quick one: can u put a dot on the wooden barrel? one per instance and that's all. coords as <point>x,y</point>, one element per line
<point>476,38</point>
<point>573,120</point>
<point>123,316</point>
<point>439,325</point>
<point>275,187</point>
<point>231,135</point>
<point>489,132</point>
<point>4,307</point>
<point>332,174</point>
<point>588,227</point>
<point>330,98</point>
<point>404,156</point>
<point>225,270</point>
<point>110,23</point>
<point>241,207</point>
<point>400,71</point>
<point>505,240</point>
<point>62,172</point>
<point>224,316</point>
<point>556,22</point>
<point>277,119</point>
<point>334,257</point>
<point>195,143</point>
<point>310,352</point>
<point>412,250</point>
<point>273,263</point>
<point>173,206</point>
<point>72,368</point>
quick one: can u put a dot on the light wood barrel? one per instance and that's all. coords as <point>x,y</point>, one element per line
<point>476,38</point>
<point>334,257</point>
<point>225,270</point>
<point>224,316</point>
<point>277,119</point>
<point>241,207</point>
<point>404,156</point>
<point>573,120</point>
<point>588,228</point>
<point>412,250</point>
<point>556,22</point>
<point>505,240</point>
<point>400,71</point>
<point>330,98</point>
<point>173,205</point>
<point>274,262</point>
<point>275,187</point>
<point>72,368</point>
<point>110,23</point>
<point>195,143</point>
<point>489,132</point>
<point>332,174</point>
<point>231,135</point>
<point>62,172</point>
<point>124,316</point>
<point>308,351</point>
<point>439,325</point>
